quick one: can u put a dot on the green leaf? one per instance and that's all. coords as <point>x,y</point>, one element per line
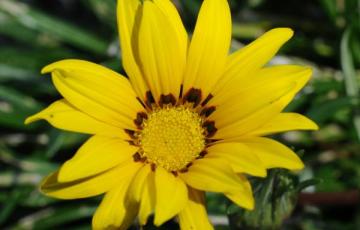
<point>41,22</point>
<point>275,199</point>
<point>15,107</point>
<point>9,206</point>
<point>325,111</point>
<point>307,183</point>
<point>104,10</point>
<point>54,218</point>
<point>351,80</point>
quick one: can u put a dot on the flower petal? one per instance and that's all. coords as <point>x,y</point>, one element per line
<point>128,14</point>
<point>256,105</point>
<point>249,102</point>
<point>261,78</point>
<point>209,47</point>
<point>147,204</point>
<point>137,185</point>
<point>213,175</point>
<point>115,211</point>
<point>268,84</point>
<point>171,196</point>
<point>239,156</point>
<point>64,116</point>
<point>273,154</point>
<point>162,50</point>
<point>284,122</point>
<point>97,91</point>
<point>97,155</point>
<point>252,57</point>
<point>194,215</point>
<point>243,198</point>
<point>88,187</point>
<point>169,9</point>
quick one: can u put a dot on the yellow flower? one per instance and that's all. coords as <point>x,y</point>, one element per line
<point>190,119</point>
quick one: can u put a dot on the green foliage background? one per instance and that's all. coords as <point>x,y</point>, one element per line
<point>34,33</point>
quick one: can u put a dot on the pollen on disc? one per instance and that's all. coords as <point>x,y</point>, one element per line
<point>172,137</point>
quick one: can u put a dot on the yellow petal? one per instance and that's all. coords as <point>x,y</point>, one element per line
<point>171,196</point>
<point>240,158</point>
<point>256,105</point>
<point>88,187</point>
<point>209,47</point>
<point>244,62</point>
<point>250,101</point>
<point>115,211</point>
<point>162,50</point>
<point>194,215</point>
<point>262,77</point>
<point>213,175</point>
<point>285,122</point>
<point>97,91</point>
<point>137,185</point>
<point>128,15</point>
<point>64,116</point>
<point>95,156</point>
<point>273,154</point>
<point>243,198</point>
<point>168,9</point>
<point>147,204</point>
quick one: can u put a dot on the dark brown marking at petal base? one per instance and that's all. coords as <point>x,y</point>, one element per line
<point>207,111</point>
<point>143,105</point>
<point>181,90</point>
<point>131,133</point>
<point>153,167</point>
<point>208,98</point>
<point>202,154</point>
<point>167,99</point>
<point>131,142</point>
<point>210,141</point>
<point>149,99</point>
<point>193,96</point>
<point>210,128</point>
<point>137,157</point>
<point>140,117</point>
<point>174,173</point>
<point>184,170</point>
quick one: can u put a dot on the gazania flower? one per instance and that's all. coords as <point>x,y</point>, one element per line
<point>190,119</point>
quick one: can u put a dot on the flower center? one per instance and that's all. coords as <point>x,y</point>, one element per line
<point>172,137</point>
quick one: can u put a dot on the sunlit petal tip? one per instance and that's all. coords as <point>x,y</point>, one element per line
<point>46,69</point>
<point>245,200</point>
<point>311,125</point>
<point>297,164</point>
<point>51,67</point>
<point>250,206</point>
<point>31,119</point>
<point>263,175</point>
<point>46,183</point>
<point>282,32</point>
<point>307,72</point>
<point>315,127</point>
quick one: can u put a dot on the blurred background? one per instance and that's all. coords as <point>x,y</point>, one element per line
<point>325,195</point>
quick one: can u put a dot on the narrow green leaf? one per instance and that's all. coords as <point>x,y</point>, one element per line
<point>44,23</point>
<point>15,107</point>
<point>351,80</point>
